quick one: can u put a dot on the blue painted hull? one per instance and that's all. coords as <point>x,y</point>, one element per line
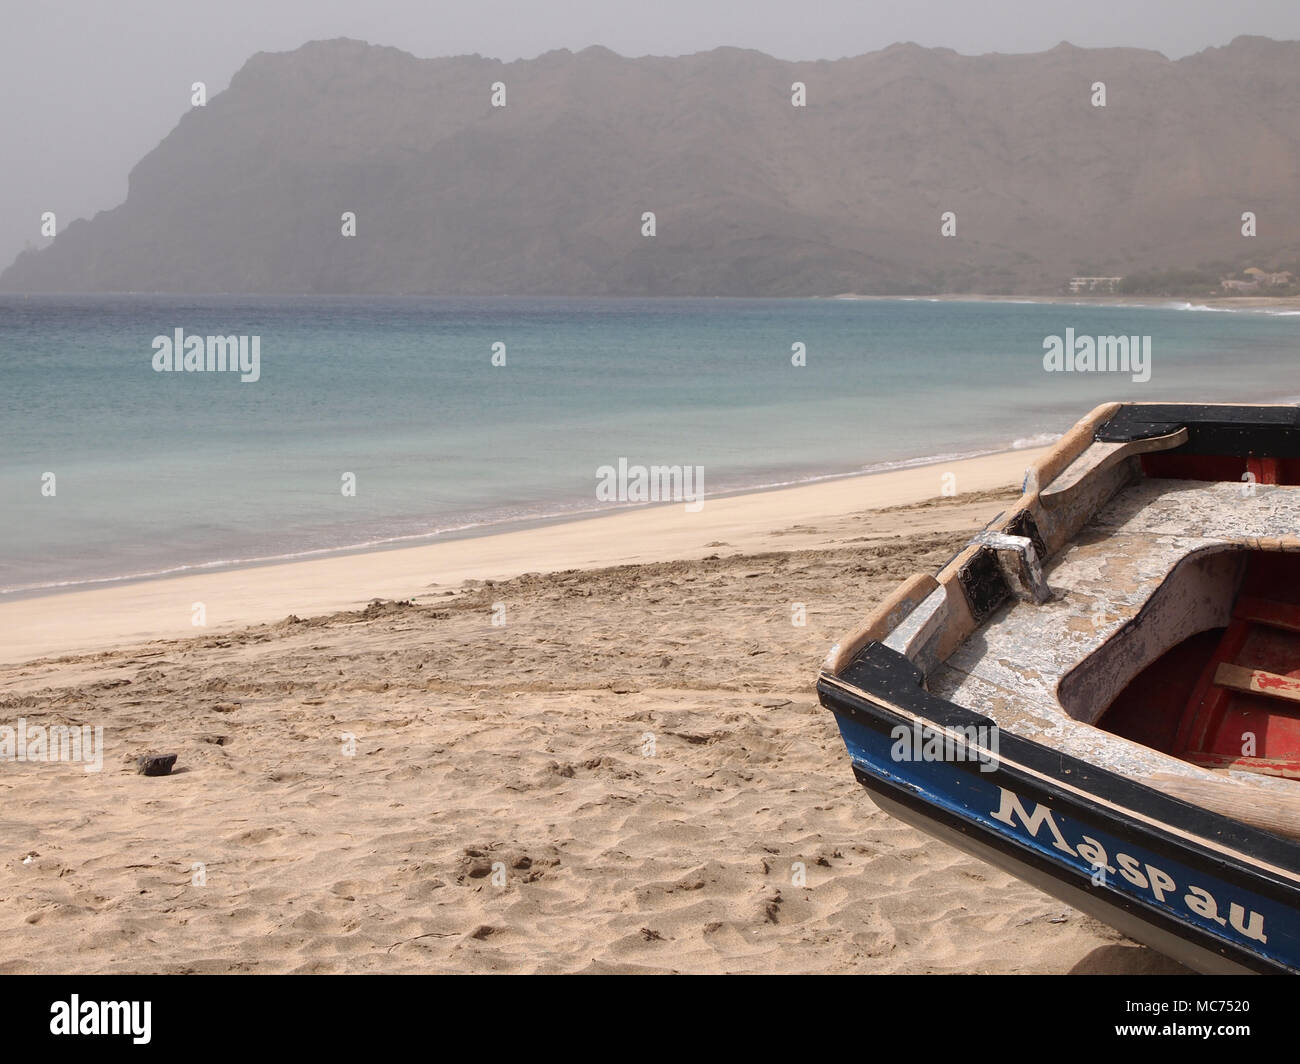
<point>1216,894</point>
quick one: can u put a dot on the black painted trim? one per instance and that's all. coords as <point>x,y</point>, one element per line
<point>1239,431</point>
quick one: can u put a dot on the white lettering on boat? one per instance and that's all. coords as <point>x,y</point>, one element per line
<point>1142,875</point>
<point>1011,807</point>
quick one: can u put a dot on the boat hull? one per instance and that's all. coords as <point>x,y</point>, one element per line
<point>1214,894</point>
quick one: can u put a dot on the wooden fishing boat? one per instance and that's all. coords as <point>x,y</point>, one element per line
<point>1101,692</point>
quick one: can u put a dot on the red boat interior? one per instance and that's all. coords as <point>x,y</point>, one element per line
<point>1227,697</point>
<point>1221,467</point>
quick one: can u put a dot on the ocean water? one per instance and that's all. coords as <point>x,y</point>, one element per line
<point>161,472</point>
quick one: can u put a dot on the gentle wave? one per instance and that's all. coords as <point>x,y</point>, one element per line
<point>554,514</point>
<point>1204,308</point>
<point>1042,439</point>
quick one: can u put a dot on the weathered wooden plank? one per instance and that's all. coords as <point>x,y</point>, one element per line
<point>883,620</point>
<point>1257,681</point>
<point>1269,808</point>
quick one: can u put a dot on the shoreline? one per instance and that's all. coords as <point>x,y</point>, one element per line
<point>78,620</point>
<point>1264,304</point>
<point>1216,302</point>
<point>492,526</point>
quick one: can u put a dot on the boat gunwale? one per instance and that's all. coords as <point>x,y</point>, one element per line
<point>1275,856</point>
<point>1047,516</point>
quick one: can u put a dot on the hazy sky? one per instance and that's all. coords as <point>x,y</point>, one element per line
<point>87,87</point>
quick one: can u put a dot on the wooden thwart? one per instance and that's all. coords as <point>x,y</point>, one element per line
<point>1101,456</point>
<point>1257,681</point>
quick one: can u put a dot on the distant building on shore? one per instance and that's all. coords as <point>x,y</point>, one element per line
<point>1268,280</point>
<point>1258,279</point>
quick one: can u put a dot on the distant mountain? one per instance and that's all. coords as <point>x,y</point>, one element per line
<point>751,195</point>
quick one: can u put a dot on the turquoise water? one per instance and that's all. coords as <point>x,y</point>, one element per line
<point>162,471</point>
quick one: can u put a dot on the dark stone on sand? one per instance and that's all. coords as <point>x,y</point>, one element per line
<point>155,764</point>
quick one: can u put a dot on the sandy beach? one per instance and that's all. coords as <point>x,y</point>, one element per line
<point>583,747</point>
